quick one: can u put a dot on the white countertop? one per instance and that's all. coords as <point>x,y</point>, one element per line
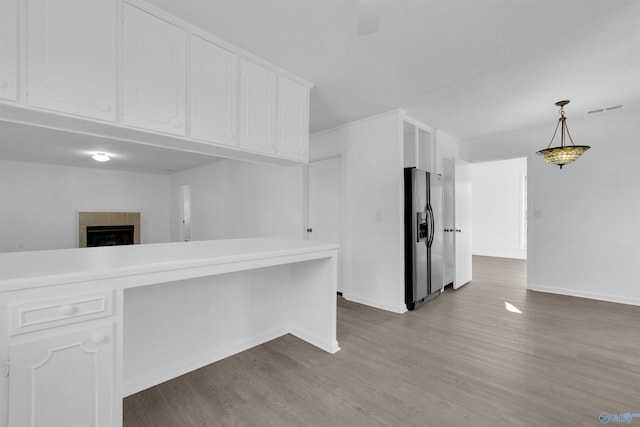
<point>21,270</point>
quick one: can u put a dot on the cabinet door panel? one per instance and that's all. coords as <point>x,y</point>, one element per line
<point>8,49</point>
<point>293,120</point>
<point>214,92</point>
<point>64,380</point>
<point>72,57</point>
<point>257,108</point>
<point>155,73</point>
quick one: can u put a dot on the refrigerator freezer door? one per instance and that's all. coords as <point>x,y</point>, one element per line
<point>420,255</point>
<point>437,261</point>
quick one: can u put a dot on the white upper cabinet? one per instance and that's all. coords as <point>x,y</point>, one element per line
<point>72,56</point>
<point>8,49</point>
<point>154,73</point>
<point>257,108</point>
<point>111,66</point>
<point>214,93</point>
<point>293,120</point>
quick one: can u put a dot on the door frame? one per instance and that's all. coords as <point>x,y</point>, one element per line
<point>466,262</point>
<point>451,237</point>
<point>342,279</point>
<point>184,213</point>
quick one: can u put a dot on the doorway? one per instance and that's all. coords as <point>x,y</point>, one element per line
<point>325,204</point>
<point>499,205</point>
<point>456,212</point>
<point>184,213</point>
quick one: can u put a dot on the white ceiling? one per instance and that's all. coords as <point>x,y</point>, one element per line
<point>469,67</point>
<point>472,68</point>
<point>43,145</point>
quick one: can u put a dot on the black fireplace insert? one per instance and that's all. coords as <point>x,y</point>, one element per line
<point>109,235</point>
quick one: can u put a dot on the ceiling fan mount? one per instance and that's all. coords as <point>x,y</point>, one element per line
<point>368,16</point>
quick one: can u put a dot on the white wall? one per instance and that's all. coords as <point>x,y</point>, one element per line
<point>373,181</point>
<point>446,148</point>
<point>584,220</point>
<point>497,208</point>
<point>39,203</point>
<point>230,199</point>
<point>236,199</point>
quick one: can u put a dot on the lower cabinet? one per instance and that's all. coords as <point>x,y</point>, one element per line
<point>64,380</point>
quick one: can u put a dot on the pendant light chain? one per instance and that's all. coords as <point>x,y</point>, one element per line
<point>554,134</point>
<point>568,134</point>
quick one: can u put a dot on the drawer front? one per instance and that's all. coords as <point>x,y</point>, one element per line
<point>37,315</point>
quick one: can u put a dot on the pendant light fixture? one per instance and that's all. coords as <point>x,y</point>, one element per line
<point>562,154</point>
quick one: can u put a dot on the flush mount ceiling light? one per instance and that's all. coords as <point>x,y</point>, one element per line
<point>101,157</point>
<point>562,154</point>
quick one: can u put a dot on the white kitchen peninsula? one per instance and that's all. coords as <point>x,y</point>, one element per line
<point>82,328</point>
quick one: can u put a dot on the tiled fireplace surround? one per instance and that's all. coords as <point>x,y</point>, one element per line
<point>107,218</point>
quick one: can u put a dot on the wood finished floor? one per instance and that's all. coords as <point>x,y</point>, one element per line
<point>461,360</point>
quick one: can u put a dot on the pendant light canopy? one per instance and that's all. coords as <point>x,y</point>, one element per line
<point>562,154</point>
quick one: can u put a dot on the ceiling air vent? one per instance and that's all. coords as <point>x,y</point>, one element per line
<point>600,110</point>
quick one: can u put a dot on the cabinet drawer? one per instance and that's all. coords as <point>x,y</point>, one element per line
<point>37,315</point>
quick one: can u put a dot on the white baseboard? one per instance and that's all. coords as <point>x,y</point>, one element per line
<point>376,304</point>
<point>585,294</point>
<point>500,254</point>
<point>459,285</point>
<point>329,347</point>
<point>143,382</point>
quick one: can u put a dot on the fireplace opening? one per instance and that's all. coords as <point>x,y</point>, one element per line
<point>109,235</point>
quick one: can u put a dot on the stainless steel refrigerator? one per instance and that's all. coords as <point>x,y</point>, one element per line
<point>422,237</point>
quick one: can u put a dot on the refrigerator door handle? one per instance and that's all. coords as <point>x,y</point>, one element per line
<point>432,226</point>
<point>427,214</point>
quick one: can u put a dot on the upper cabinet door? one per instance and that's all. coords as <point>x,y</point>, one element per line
<point>154,73</point>
<point>257,108</point>
<point>72,56</point>
<point>8,49</point>
<point>293,120</point>
<point>214,92</point>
